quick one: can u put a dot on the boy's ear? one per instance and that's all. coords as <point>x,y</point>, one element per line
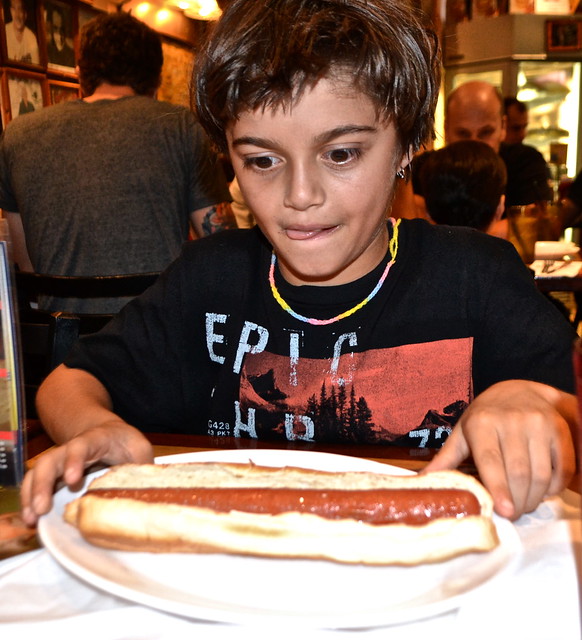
<point>406,159</point>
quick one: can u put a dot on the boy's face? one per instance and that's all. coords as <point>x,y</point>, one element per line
<point>319,178</point>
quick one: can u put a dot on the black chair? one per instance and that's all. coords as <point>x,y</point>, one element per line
<point>46,337</point>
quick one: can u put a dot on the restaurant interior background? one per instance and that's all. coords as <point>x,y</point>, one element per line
<point>46,83</point>
<point>528,48</point>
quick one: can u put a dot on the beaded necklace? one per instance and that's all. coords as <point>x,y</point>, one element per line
<point>392,247</point>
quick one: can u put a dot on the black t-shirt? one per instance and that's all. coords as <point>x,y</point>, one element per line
<point>208,350</point>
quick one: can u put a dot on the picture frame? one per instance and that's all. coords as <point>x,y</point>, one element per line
<point>24,92</point>
<point>59,91</point>
<point>22,44</point>
<point>60,22</point>
<point>563,35</point>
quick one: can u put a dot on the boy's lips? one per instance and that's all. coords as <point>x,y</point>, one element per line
<point>297,233</point>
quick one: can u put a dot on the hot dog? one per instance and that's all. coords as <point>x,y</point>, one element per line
<point>351,517</point>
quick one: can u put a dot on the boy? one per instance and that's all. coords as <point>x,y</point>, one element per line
<point>326,322</point>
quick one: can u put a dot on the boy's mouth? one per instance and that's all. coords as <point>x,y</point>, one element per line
<point>308,234</point>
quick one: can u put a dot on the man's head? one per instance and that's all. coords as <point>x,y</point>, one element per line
<point>121,50</point>
<point>18,13</point>
<point>463,184</point>
<point>517,120</point>
<point>267,53</point>
<point>474,111</point>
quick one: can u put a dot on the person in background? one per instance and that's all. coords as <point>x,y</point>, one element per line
<point>571,203</point>
<point>463,184</point>
<point>517,120</point>
<point>242,213</point>
<point>475,111</point>
<point>326,322</point>
<point>123,175</point>
<point>21,42</point>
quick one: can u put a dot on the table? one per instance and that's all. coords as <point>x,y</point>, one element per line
<point>539,601</point>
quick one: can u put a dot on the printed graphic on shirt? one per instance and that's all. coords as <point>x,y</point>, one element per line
<point>410,395</point>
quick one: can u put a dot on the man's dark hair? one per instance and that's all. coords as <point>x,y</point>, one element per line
<point>512,101</point>
<point>266,53</point>
<point>121,50</point>
<point>463,183</point>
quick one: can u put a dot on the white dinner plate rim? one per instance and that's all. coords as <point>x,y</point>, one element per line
<point>51,527</point>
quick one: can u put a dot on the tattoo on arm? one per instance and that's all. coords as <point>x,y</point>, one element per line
<point>218,218</point>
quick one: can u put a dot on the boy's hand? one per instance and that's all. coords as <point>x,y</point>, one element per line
<point>519,434</point>
<point>112,443</point>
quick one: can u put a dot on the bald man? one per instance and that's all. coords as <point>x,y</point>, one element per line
<point>475,111</point>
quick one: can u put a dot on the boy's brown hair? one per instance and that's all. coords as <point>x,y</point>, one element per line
<point>265,53</point>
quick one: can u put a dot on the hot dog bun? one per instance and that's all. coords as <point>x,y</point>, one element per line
<point>130,524</point>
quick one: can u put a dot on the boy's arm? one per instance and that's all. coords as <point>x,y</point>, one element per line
<point>521,435</point>
<point>75,409</point>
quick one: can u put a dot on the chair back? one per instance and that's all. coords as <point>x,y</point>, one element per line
<point>46,337</point>
<point>35,284</point>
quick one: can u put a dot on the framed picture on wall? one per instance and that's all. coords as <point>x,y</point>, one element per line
<point>21,42</point>
<point>24,92</point>
<point>59,23</point>
<point>563,35</point>
<point>62,92</point>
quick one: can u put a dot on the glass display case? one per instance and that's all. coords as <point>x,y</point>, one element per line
<point>510,53</point>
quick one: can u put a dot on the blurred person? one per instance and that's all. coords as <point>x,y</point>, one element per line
<point>326,322</point>
<point>463,184</point>
<point>111,183</point>
<point>243,215</point>
<point>475,111</point>
<point>517,120</point>
<point>571,203</point>
<point>21,42</point>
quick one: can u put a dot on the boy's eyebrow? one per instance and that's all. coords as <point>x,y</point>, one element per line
<point>322,138</point>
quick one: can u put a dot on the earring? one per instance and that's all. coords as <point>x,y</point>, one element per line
<point>400,174</point>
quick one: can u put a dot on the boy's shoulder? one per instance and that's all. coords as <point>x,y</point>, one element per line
<point>445,237</point>
<point>452,248</point>
<point>228,247</point>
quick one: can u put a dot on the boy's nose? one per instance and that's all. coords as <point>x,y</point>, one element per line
<point>304,189</point>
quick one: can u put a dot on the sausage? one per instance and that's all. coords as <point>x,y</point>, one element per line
<point>413,506</point>
<point>351,517</point>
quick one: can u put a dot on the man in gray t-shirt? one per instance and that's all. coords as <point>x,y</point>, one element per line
<point>112,183</point>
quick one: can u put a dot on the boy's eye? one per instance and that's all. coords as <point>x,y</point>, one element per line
<point>261,162</point>
<point>342,156</point>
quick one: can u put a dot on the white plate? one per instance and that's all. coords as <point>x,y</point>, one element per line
<point>555,250</point>
<point>313,594</point>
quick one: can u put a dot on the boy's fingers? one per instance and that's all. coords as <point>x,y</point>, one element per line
<point>451,454</point>
<point>491,474</point>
